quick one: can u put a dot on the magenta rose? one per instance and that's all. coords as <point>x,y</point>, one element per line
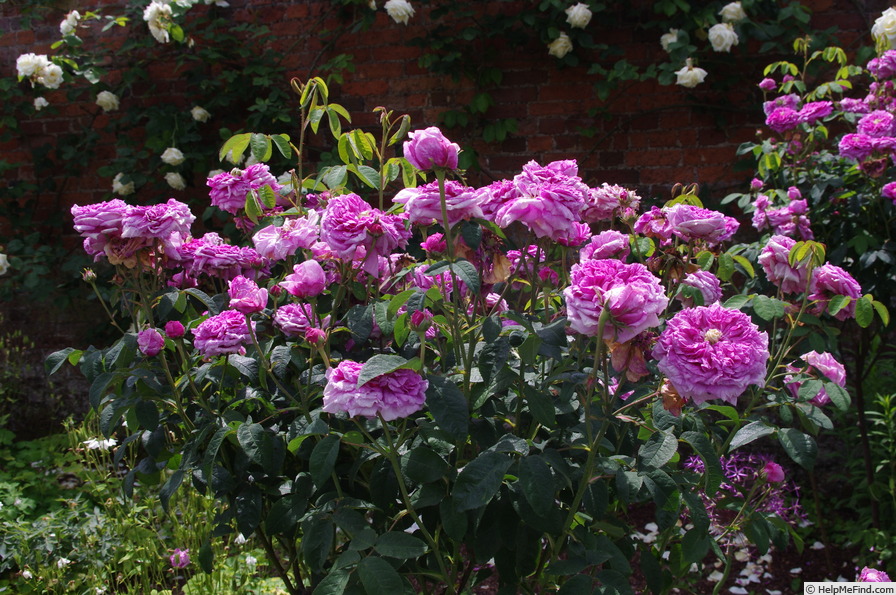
<point>228,192</point>
<point>818,363</point>
<point>307,279</point>
<point>174,329</point>
<point>606,244</point>
<point>99,223</point>
<point>158,221</point>
<point>774,260</point>
<point>889,191</point>
<point>690,222</point>
<point>878,123</point>
<point>711,352</point>
<point>394,395</point>
<point>429,149</point>
<point>783,119</point>
<point>150,342</point>
<point>633,295</point>
<point>871,575</point>
<point>773,472</point>
<point>814,111</point>
<point>222,334</point>
<point>829,280</point>
<point>423,203</point>
<point>276,243</point>
<point>706,283</point>
<point>295,320</point>
<point>351,226</point>
<point>654,224</point>
<point>855,146</point>
<point>246,296</point>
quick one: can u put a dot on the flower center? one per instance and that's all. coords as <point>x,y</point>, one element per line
<point>713,335</point>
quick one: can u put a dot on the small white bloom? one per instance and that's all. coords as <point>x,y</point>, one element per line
<point>40,103</point>
<point>733,12</point>
<point>51,76</point>
<point>578,16</point>
<point>4,264</point>
<point>214,172</point>
<point>68,26</point>
<point>100,444</point>
<point>158,16</point>
<point>399,10</point>
<point>817,546</point>
<point>200,114</point>
<point>175,180</point>
<point>107,100</point>
<point>62,562</point>
<point>26,574</point>
<point>884,29</point>
<point>120,188</point>
<point>560,46</point>
<point>27,65</point>
<point>240,539</point>
<point>722,36</point>
<point>715,576</point>
<point>251,561</point>
<point>173,156</point>
<point>690,76</point>
<point>669,38</point>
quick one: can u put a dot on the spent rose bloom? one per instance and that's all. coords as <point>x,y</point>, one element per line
<point>884,29</point>
<point>560,46</point>
<point>175,180</point>
<point>306,280</point>
<point>150,342</point>
<point>817,363</point>
<point>773,472</point>
<point>172,156</point>
<point>631,293</point>
<point>429,149</point>
<point>871,575</point>
<point>222,334</point>
<point>722,37</point>
<point>120,187</point>
<point>200,114</point>
<point>246,296</point>
<point>667,39</point>
<point>578,15</point>
<point>400,10</point>
<point>394,395</point>
<point>423,203</point>
<point>608,201</point>
<point>829,280</point>
<point>774,260</point>
<point>733,12</point>
<point>690,76</point>
<point>712,352</point>
<point>107,100</point>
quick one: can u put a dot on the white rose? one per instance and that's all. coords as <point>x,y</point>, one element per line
<point>68,26</point>
<point>251,561</point>
<point>884,28</point>
<point>173,156</point>
<point>669,38</point>
<point>62,562</point>
<point>399,10</point>
<point>119,188</point>
<point>560,46</point>
<point>200,114</point>
<point>4,264</point>
<point>157,15</point>
<point>732,12</point>
<point>40,103</point>
<point>578,16</point>
<point>28,65</point>
<point>100,444</point>
<point>51,76</point>
<point>690,76</point>
<point>26,574</point>
<point>175,180</point>
<point>722,37</point>
<point>107,100</point>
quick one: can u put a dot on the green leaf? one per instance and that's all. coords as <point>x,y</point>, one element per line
<point>837,303</point>
<point>260,145</point>
<point>378,365</point>
<point>480,480</point>
<point>247,505</point>
<point>379,577</point>
<point>237,144</point>
<point>838,395</point>
<point>694,545</point>
<point>323,459</point>
<point>423,465</point>
<point>281,141</point>
<point>768,308</point>
<point>334,583</point>
<point>206,557</point>
<point>467,273</point>
<point>55,360</point>
<point>255,443</point>
<point>658,450</point>
<point>713,468</point>
<point>864,311</point>
<point>745,264</point>
<point>398,544</point>
<point>284,515</point>
<point>750,432</point>
<point>317,540</point>
<point>170,487</point>
<point>366,174</point>
<point>800,446</point>
<point>881,310</point>
<point>736,302</point>
<point>726,267</point>
<point>537,484</point>
<point>253,208</point>
<point>448,407</point>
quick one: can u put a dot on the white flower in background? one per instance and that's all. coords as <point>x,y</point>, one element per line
<point>119,188</point>
<point>690,76</point>
<point>732,12</point>
<point>173,156</point>
<point>884,28</point>
<point>4,264</point>
<point>26,574</point>
<point>40,103</point>
<point>99,444</point>
<point>251,561</point>
<point>578,16</point>
<point>51,76</point>
<point>157,16</point>
<point>214,172</point>
<point>200,114</point>
<point>722,36</point>
<point>70,23</point>
<point>399,10</point>
<point>669,38</point>
<point>251,160</point>
<point>372,4</point>
<point>175,180</point>
<point>27,65</point>
<point>229,158</point>
<point>107,100</point>
<point>62,562</point>
<point>240,538</point>
<point>560,46</point>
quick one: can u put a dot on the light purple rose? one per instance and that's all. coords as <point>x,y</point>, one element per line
<point>870,575</point>
<point>783,119</point>
<point>494,195</point>
<point>295,320</point>
<point>853,106</point>
<point>423,204</point>
<point>224,261</point>
<point>791,101</point>
<point>180,558</point>
<point>157,221</point>
<point>823,363</point>
<point>222,334</point>
<point>690,222</point>
<point>855,146</point>
<point>246,296</point>
<point>150,342</point>
<point>429,149</point>
<point>654,224</point>
<point>99,223</point>
<point>711,352</point>
<point>877,124</point>
<point>394,395</point>
<point>276,243</point>
<point>606,244</point>
<point>883,67</point>
<point>608,201</point>
<point>307,279</point>
<point>228,191</point>
<point>829,280</point>
<point>768,84</point>
<point>814,111</point>
<point>774,260</point>
<point>633,295</point>
<point>706,283</point>
<point>889,191</point>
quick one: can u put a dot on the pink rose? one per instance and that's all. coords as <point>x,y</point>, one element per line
<point>394,395</point>
<point>222,334</point>
<point>307,279</point>
<point>246,296</point>
<point>174,329</point>
<point>429,149</point>
<point>773,472</point>
<point>150,342</point>
<point>774,260</point>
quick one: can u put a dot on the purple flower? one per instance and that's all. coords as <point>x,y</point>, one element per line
<point>229,189</point>
<point>494,195</point>
<point>631,293</point>
<point>706,283</point>
<point>434,244</point>
<point>768,84</point>
<point>756,184</point>
<point>883,67</point>
<point>814,111</point>
<point>853,106</point>
<point>276,243</point>
<point>224,261</point>
<point>429,149</point>
<point>654,224</point>
<point>855,146</point>
<point>877,124</point>
<point>150,342</point>
<point>157,221</point>
<point>690,223</point>
<point>608,201</point>
<point>246,296</point>
<point>394,395</point>
<point>295,320</point>
<point>424,207</point>
<point>783,119</point>
<point>174,329</point>
<point>829,280</point>
<point>773,472</point>
<point>870,575</point>
<point>711,352</point>
<point>306,280</point>
<point>99,223</point>
<point>349,224</point>
<point>180,558</point>
<point>791,101</point>
<point>823,363</point>
<point>774,260</point>
<point>889,191</point>
<point>606,244</point>
<point>222,334</point>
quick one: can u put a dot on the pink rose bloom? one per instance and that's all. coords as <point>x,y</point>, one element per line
<point>774,261</point>
<point>174,329</point>
<point>889,191</point>
<point>228,192</point>
<point>791,101</point>
<point>814,111</point>
<point>823,363</point>
<point>315,335</point>
<point>150,342</point>
<point>634,296</point>
<point>768,84</point>
<point>783,119</point>
<point>877,124</point>
<point>829,280</point>
<point>694,223</point>
<point>276,243</point>
<point>578,234</point>
<point>306,280</point>
<point>711,352</point>
<point>349,224</point>
<point>394,395</point>
<point>608,201</point>
<point>429,149</point>
<point>157,221</point>
<point>773,472</point>
<point>494,195</point>
<point>855,146</point>
<point>434,244</point>
<point>606,244</point>
<point>99,223</point>
<point>259,175</point>
<point>423,204</point>
<point>222,334</point>
<point>853,106</point>
<point>654,224</point>
<point>870,575</point>
<point>883,67</point>
<point>708,284</point>
<point>295,320</point>
<point>224,261</point>
<point>180,558</point>
<point>246,296</point>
